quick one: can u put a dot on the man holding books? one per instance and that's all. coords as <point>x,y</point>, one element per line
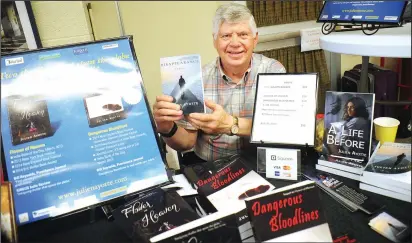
<point>229,89</point>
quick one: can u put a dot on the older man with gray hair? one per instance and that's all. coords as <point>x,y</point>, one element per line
<point>229,89</point>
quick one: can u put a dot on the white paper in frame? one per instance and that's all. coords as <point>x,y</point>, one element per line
<point>285,109</point>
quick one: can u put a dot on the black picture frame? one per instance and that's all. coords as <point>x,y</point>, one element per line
<point>21,33</point>
<point>399,23</point>
<point>280,143</point>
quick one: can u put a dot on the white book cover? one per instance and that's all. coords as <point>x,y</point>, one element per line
<point>220,226</point>
<point>390,166</point>
<point>232,184</point>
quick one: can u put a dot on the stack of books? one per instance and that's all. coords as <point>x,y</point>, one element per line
<point>347,171</point>
<point>389,172</point>
<point>347,143</point>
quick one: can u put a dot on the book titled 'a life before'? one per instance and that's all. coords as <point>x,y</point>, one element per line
<point>348,128</point>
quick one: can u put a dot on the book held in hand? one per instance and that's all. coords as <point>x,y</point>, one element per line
<point>289,214</point>
<point>182,79</point>
<point>348,130</point>
<point>153,213</point>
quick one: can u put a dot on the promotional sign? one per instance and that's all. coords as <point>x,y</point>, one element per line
<point>76,128</point>
<point>389,12</point>
<point>282,163</point>
<point>310,39</point>
<point>285,107</point>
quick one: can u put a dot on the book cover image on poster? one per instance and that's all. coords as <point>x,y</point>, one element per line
<point>348,128</point>
<point>104,108</point>
<point>29,119</point>
<point>153,213</point>
<point>182,79</point>
<point>76,128</point>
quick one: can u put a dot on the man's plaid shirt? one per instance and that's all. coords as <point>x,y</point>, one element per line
<point>237,99</point>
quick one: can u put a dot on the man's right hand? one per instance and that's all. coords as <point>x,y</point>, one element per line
<point>165,113</point>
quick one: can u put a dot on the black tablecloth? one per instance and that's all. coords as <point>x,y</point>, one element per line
<point>78,228</point>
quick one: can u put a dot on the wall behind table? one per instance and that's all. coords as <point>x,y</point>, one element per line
<point>62,22</point>
<point>349,61</point>
<point>159,29</point>
<point>166,28</point>
<point>104,18</point>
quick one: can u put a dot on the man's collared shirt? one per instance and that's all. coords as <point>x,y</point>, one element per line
<point>236,99</point>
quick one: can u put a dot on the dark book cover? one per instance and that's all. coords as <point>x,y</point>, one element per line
<point>220,227</point>
<point>29,119</point>
<point>348,128</point>
<point>153,213</point>
<point>182,79</point>
<point>103,109</point>
<point>294,212</point>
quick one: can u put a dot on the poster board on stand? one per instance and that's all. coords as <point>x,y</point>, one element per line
<point>77,129</point>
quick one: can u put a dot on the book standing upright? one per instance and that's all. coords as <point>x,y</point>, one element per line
<point>347,141</point>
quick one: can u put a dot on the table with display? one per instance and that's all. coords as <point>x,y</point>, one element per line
<point>297,91</point>
<point>79,228</point>
<point>108,130</point>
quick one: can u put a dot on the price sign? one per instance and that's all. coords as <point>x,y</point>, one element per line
<point>285,109</point>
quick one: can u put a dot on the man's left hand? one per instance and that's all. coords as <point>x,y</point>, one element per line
<point>218,122</point>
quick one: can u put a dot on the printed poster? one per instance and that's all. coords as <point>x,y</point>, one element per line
<point>76,128</point>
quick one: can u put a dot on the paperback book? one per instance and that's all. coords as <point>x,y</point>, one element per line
<point>228,187</point>
<point>153,213</point>
<point>348,173</point>
<point>289,214</point>
<point>348,130</point>
<point>232,184</point>
<point>182,79</point>
<point>217,227</point>
<point>390,169</point>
